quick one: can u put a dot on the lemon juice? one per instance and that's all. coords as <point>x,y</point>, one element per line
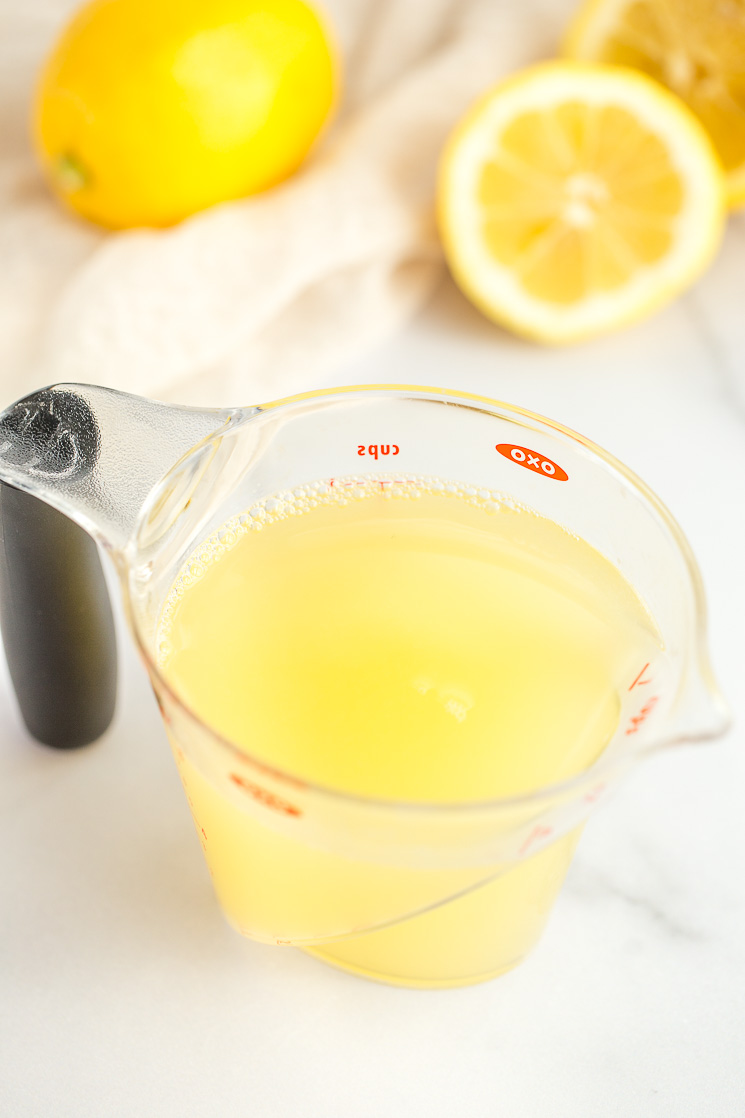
<point>405,640</point>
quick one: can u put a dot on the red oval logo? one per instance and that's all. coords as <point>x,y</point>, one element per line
<point>532,460</point>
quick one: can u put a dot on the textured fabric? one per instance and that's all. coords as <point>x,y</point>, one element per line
<point>261,297</point>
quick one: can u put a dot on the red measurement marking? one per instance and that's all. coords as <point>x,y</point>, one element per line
<point>595,793</point>
<point>264,796</point>
<point>532,460</point>
<point>639,682</point>
<point>538,832</point>
<point>204,833</point>
<point>162,708</point>
<point>381,482</point>
<point>377,448</point>
<point>284,942</point>
<point>643,715</point>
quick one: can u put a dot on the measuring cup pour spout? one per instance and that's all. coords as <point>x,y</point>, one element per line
<point>701,712</point>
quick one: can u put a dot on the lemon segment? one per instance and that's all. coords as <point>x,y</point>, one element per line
<point>694,47</point>
<point>574,198</point>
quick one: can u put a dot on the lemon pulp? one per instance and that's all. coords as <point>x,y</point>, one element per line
<point>695,48</point>
<point>575,198</point>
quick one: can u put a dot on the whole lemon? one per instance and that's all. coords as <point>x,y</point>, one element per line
<point>149,110</point>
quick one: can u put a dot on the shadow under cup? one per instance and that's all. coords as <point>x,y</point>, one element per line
<point>413,894</point>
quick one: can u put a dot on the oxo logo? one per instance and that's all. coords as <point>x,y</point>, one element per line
<point>532,460</point>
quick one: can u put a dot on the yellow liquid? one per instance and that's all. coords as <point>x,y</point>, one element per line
<point>408,642</point>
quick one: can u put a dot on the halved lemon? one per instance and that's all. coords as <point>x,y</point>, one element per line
<point>574,198</point>
<point>695,47</point>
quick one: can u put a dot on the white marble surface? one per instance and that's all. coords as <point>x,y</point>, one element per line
<point>125,993</point>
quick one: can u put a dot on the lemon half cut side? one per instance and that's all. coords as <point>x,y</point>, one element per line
<point>574,198</point>
<point>694,47</point>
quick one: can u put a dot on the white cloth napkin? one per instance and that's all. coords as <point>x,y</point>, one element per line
<point>261,297</point>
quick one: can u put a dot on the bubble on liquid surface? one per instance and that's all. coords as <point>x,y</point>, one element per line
<point>327,492</point>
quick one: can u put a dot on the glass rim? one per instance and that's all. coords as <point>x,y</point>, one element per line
<point>603,769</point>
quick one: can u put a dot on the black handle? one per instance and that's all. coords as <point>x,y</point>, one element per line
<point>56,622</point>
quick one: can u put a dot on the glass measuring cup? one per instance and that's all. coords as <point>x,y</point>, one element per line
<point>430,894</point>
